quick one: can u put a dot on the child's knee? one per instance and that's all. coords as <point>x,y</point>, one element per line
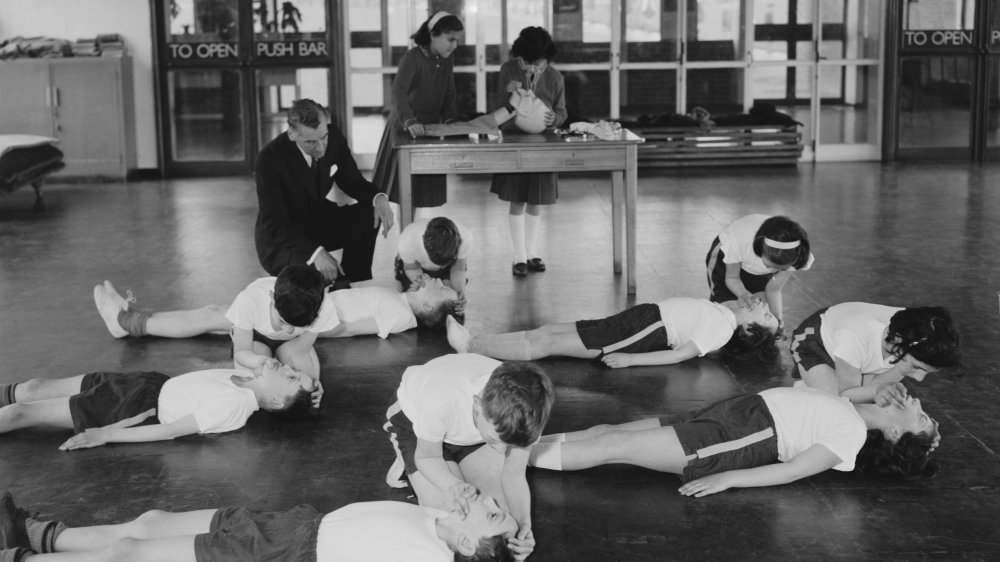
<point>145,525</point>
<point>29,388</point>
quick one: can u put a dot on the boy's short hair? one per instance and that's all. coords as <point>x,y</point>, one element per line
<point>434,319</point>
<point>442,241</point>
<point>306,112</point>
<point>908,457</point>
<point>489,549</point>
<point>298,294</point>
<point>297,406</point>
<point>517,399</point>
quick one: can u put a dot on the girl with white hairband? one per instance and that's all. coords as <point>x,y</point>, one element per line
<point>423,93</point>
<point>756,254</point>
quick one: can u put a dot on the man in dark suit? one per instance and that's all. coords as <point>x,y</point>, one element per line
<point>312,200</point>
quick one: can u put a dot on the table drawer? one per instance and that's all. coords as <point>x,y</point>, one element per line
<point>463,162</point>
<point>583,159</point>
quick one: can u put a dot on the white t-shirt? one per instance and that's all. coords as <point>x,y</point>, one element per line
<point>411,245</point>
<point>364,308</point>
<point>437,397</point>
<point>736,242</point>
<point>804,417</point>
<point>383,531</point>
<point>251,310</point>
<point>854,331</point>
<point>709,325</point>
<point>210,396</point>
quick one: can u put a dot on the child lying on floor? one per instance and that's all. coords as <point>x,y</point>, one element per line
<point>148,406</point>
<point>383,531</point>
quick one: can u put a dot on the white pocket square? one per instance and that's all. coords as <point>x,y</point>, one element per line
<point>333,170</point>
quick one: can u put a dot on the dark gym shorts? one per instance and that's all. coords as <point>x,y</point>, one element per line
<point>807,345</point>
<point>106,398</point>
<point>635,330</point>
<point>734,434</point>
<point>240,535</point>
<point>403,439</point>
<point>717,277</point>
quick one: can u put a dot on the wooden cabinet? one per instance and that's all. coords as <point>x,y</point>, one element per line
<point>85,102</point>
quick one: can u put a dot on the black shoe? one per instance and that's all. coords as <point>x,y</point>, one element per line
<point>520,269</point>
<point>13,532</point>
<point>341,283</point>
<point>536,264</point>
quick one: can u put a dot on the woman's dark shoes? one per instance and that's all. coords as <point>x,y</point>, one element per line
<point>520,269</point>
<point>536,264</point>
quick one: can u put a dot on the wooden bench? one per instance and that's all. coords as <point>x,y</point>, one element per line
<point>745,145</point>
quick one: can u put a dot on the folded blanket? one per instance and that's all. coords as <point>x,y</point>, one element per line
<point>10,142</point>
<point>23,165</point>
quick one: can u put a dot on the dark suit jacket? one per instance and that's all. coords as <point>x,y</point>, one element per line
<point>293,215</point>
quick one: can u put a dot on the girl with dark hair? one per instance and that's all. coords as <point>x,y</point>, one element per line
<point>423,93</point>
<point>669,332</point>
<point>529,69</point>
<point>775,437</point>
<point>860,350</point>
<point>757,254</point>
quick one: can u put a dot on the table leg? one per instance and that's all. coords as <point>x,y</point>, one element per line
<point>405,184</point>
<point>631,197</point>
<point>617,194</point>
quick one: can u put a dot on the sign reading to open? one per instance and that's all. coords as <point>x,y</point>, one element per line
<point>938,39</point>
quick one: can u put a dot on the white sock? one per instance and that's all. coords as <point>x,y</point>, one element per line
<point>546,455</point>
<point>516,223</point>
<point>531,224</point>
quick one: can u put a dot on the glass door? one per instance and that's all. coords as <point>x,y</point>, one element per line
<point>228,70</point>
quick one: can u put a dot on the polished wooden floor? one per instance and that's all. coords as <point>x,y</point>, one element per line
<point>901,235</point>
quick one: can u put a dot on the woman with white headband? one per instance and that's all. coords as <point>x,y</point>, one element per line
<point>423,93</point>
<point>756,254</point>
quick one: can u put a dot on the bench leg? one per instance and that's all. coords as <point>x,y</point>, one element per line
<point>39,202</point>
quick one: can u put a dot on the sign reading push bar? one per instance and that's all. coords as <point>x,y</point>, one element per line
<point>287,49</point>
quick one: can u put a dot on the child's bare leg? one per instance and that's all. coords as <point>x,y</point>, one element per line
<point>429,495</point>
<point>515,221</point>
<point>647,423</point>
<point>43,389</point>
<point>169,549</point>
<point>188,323</point>
<point>53,412</point>
<point>657,449</point>
<point>153,524</point>
<point>558,339</point>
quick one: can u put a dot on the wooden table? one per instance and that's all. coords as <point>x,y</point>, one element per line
<point>519,152</point>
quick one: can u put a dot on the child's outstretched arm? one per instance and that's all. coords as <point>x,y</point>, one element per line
<point>665,357</point>
<point>243,353</point>
<point>123,432</point>
<point>514,484</point>
<point>429,458</point>
<point>812,461</point>
<point>773,293</point>
<point>458,276</point>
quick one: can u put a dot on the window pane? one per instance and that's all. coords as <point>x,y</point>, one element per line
<point>302,19</point>
<point>719,90</point>
<point>205,123</point>
<point>770,11</point>
<point>939,14</point>
<point>587,95</point>
<point>650,33</point>
<point>196,21</point>
<point>277,88</point>
<point>935,101</point>
<point>582,29</point>
<point>851,31</point>
<point>717,34</point>
<point>849,115</point>
<point>647,92</point>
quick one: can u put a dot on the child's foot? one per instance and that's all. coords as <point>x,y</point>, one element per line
<point>121,302</point>
<point>109,311</point>
<point>519,269</point>
<point>13,532</point>
<point>536,264</point>
<point>458,335</point>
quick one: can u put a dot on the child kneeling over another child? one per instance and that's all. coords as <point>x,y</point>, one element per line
<point>357,532</point>
<point>447,410</point>
<point>148,406</point>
